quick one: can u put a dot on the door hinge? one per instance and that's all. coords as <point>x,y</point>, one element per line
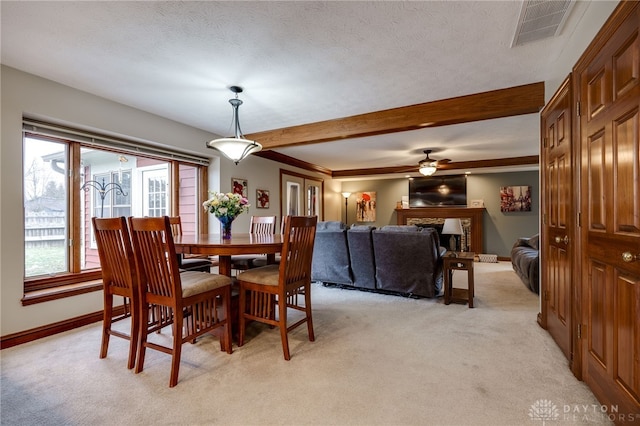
<point>544,218</point>
<point>544,142</point>
<point>70,242</point>
<point>579,331</point>
<point>546,295</point>
<point>579,219</point>
<point>578,108</point>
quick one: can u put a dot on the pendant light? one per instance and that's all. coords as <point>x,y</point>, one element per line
<point>237,148</point>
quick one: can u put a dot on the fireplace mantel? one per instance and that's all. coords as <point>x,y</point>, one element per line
<point>473,214</point>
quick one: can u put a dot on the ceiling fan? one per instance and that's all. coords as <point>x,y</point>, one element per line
<point>429,166</point>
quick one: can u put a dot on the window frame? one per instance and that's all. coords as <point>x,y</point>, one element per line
<point>75,280</point>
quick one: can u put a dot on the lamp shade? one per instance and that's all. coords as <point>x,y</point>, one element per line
<point>346,194</point>
<point>235,149</point>
<point>452,227</point>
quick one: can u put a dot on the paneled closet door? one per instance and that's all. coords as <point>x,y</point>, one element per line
<point>608,85</point>
<point>558,202</point>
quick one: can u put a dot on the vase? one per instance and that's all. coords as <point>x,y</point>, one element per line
<point>226,222</point>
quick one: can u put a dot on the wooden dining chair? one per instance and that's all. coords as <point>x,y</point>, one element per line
<point>287,285</point>
<point>259,225</point>
<point>189,262</point>
<point>118,279</point>
<point>199,302</point>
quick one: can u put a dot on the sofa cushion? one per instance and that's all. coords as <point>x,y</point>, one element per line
<point>408,260</point>
<point>363,266</point>
<point>330,225</point>
<point>400,228</point>
<point>330,262</point>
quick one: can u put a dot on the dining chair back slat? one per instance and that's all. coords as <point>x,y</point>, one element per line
<point>263,225</point>
<point>189,262</point>
<point>259,225</point>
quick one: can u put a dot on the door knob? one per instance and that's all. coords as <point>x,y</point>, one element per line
<point>628,257</point>
<point>558,239</point>
<point>562,240</point>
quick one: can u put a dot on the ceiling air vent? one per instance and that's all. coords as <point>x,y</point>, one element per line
<point>540,19</point>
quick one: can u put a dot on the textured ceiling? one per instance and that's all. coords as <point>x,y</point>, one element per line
<point>299,62</point>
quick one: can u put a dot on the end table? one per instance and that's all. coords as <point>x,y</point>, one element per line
<point>460,261</point>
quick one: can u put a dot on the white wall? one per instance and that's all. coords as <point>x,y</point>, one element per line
<point>28,94</point>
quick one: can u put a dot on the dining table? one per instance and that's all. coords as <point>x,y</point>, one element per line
<point>239,243</point>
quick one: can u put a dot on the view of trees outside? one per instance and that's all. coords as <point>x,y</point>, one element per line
<point>45,207</point>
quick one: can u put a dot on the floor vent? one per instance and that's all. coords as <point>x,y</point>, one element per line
<point>540,19</point>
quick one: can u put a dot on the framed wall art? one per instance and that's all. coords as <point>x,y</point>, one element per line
<point>262,198</point>
<point>515,199</point>
<point>365,207</point>
<point>240,186</point>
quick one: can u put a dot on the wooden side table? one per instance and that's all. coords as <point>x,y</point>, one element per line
<point>460,261</point>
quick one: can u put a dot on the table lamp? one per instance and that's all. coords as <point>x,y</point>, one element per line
<point>452,227</point>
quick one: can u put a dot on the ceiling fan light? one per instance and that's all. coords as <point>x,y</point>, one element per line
<point>237,148</point>
<point>428,168</point>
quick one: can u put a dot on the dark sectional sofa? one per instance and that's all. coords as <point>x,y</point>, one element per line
<point>395,258</point>
<point>525,258</point>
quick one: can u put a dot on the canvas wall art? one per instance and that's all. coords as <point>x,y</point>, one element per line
<point>240,186</point>
<point>262,198</point>
<point>366,207</point>
<point>515,199</point>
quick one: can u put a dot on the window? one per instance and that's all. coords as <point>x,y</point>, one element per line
<point>67,181</point>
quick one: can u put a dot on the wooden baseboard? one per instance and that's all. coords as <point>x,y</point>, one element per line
<point>55,328</point>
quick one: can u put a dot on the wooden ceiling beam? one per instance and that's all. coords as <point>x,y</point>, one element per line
<point>518,100</point>
<point>460,165</point>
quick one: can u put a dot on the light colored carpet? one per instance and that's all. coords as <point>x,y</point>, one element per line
<point>377,360</point>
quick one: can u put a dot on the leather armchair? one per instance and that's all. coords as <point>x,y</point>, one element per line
<point>525,259</point>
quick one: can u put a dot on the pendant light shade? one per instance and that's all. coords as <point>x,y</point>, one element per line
<point>237,148</point>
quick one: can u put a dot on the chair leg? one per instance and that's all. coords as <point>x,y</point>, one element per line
<point>282,320</point>
<point>106,324</point>
<point>135,336</point>
<point>307,307</point>
<point>242,300</point>
<point>142,343</point>
<point>177,351</point>
<point>227,324</point>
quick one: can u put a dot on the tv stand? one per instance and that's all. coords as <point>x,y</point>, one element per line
<point>471,218</point>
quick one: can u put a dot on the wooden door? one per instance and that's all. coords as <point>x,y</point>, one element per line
<point>557,216</point>
<point>607,82</point>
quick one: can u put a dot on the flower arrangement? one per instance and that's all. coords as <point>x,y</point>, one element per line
<point>226,205</point>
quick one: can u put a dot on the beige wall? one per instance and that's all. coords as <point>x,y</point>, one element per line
<point>27,94</point>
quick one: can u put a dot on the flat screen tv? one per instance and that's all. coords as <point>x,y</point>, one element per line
<point>438,191</point>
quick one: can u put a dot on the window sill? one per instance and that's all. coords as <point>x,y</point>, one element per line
<point>60,292</point>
